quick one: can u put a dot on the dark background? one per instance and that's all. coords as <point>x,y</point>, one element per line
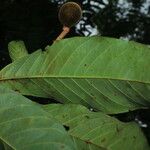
<point>36,23</point>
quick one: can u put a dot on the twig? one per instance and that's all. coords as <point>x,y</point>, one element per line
<point>63,33</point>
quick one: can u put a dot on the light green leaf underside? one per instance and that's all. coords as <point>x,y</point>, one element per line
<point>17,50</point>
<point>103,73</point>
<point>24,125</point>
<point>98,128</point>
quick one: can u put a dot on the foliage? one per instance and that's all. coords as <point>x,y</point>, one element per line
<point>24,125</point>
<point>128,19</point>
<point>97,128</point>
<point>105,74</point>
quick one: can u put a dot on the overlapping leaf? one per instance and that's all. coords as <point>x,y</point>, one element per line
<point>97,128</point>
<point>25,126</point>
<point>103,73</point>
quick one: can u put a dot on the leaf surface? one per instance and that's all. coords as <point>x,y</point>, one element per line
<point>17,50</point>
<point>24,125</point>
<point>98,128</point>
<point>106,74</point>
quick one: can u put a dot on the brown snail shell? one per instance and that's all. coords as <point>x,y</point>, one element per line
<point>69,14</point>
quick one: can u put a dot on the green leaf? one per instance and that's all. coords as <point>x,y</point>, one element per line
<point>17,49</point>
<point>98,128</point>
<point>24,125</point>
<point>6,147</point>
<point>106,74</point>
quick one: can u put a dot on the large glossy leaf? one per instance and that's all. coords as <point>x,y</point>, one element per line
<point>24,125</point>
<point>104,73</point>
<point>98,128</point>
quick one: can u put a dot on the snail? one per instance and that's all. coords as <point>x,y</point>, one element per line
<point>69,14</point>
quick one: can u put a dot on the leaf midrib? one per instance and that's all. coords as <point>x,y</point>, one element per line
<point>72,77</point>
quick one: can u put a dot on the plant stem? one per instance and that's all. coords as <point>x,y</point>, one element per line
<point>63,33</point>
